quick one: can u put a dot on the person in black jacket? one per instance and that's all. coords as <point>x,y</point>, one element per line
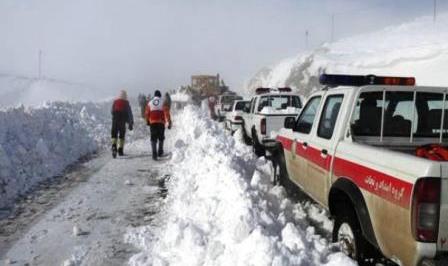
<point>121,114</point>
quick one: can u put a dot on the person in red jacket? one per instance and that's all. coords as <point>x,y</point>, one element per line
<point>121,114</point>
<point>157,117</point>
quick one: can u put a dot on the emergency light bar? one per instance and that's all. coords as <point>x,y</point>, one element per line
<point>262,90</point>
<point>285,89</point>
<point>359,80</point>
<point>267,90</point>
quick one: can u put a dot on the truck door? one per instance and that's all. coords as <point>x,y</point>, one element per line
<point>322,147</point>
<point>301,137</point>
<point>248,117</point>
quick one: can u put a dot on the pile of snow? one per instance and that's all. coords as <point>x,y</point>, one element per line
<point>39,143</point>
<point>418,48</point>
<point>222,209</point>
<point>180,97</point>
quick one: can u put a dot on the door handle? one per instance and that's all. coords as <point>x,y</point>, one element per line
<point>324,152</point>
<point>305,144</point>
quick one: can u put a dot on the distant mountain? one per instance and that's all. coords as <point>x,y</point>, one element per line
<point>16,90</point>
<point>418,48</point>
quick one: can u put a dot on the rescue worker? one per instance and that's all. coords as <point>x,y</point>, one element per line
<point>121,114</point>
<point>167,100</point>
<point>142,101</point>
<point>157,117</point>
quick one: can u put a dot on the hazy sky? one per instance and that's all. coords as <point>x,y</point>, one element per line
<point>147,44</point>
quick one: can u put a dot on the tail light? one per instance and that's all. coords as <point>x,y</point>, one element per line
<point>238,118</point>
<point>425,209</point>
<point>263,126</point>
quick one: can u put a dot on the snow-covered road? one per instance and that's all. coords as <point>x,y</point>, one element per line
<point>218,207</point>
<point>88,226</point>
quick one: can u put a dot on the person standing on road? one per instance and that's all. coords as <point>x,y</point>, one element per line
<point>121,114</point>
<point>157,117</point>
<point>142,101</point>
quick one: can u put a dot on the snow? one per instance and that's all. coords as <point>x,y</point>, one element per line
<point>222,208</point>
<point>86,223</point>
<point>37,143</point>
<point>418,48</point>
<point>180,97</point>
<point>17,90</point>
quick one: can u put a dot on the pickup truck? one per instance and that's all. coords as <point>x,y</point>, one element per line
<point>372,150</point>
<point>234,118</point>
<point>266,115</point>
<point>224,104</point>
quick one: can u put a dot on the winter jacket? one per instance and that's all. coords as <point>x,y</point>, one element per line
<point>121,111</point>
<point>157,112</point>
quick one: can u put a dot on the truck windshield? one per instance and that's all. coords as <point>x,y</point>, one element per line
<point>400,114</point>
<point>279,102</point>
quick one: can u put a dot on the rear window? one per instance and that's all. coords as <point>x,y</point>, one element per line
<point>230,99</point>
<point>240,106</point>
<point>400,115</point>
<point>279,102</point>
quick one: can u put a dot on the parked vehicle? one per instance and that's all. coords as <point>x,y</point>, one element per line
<point>363,151</point>
<point>234,118</point>
<point>224,104</point>
<point>266,115</point>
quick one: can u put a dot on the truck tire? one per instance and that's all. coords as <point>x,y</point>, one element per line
<point>259,150</point>
<point>347,232</point>
<point>246,137</point>
<point>281,174</point>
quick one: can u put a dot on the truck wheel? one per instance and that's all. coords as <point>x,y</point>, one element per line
<point>347,232</point>
<point>246,138</point>
<point>281,174</point>
<point>257,147</point>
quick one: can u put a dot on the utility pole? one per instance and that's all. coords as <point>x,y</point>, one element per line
<point>40,65</point>
<point>332,28</point>
<point>306,39</point>
<point>435,11</point>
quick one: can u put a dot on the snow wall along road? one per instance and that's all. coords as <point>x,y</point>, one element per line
<point>39,143</point>
<point>221,208</point>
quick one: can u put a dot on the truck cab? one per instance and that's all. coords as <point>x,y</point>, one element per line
<point>362,147</point>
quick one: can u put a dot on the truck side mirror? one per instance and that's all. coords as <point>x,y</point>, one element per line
<point>290,122</point>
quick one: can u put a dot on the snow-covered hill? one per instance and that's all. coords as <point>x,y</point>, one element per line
<point>16,90</point>
<point>418,48</point>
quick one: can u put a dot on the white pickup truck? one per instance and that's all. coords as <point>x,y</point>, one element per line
<point>266,115</point>
<point>234,118</point>
<point>224,105</point>
<point>373,151</point>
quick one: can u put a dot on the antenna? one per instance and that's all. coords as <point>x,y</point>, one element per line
<point>40,65</point>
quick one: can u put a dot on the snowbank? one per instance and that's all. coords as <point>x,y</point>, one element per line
<point>180,97</point>
<point>39,143</point>
<point>221,208</point>
<point>418,48</point>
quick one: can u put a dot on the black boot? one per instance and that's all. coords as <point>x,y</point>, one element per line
<point>120,151</point>
<point>160,151</point>
<point>114,150</point>
<point>154,150</point>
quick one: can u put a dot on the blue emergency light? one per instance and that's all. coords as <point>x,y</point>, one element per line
<point>334,80</point>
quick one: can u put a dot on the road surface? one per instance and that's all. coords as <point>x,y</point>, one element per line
<point>82,218</point>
